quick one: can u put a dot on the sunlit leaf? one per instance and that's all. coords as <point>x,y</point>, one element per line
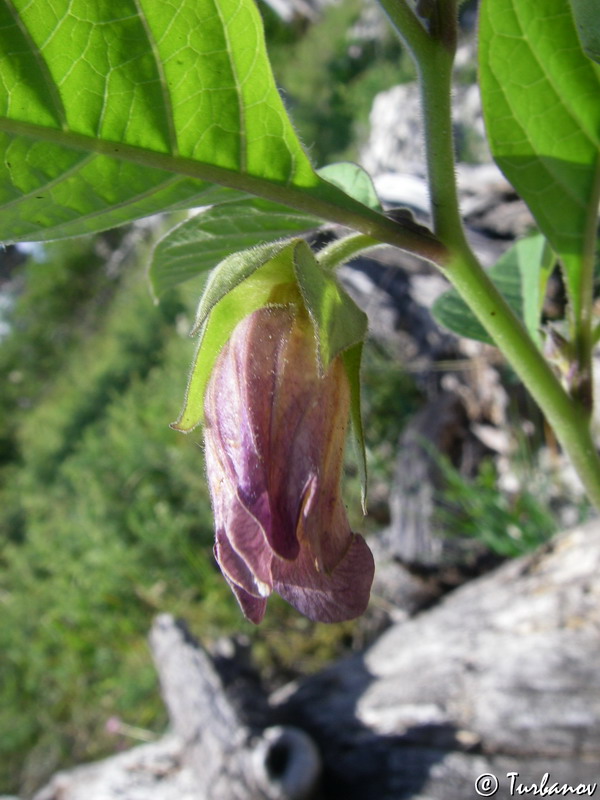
<point>540,97</point>
<point>354,180</point>
<point>111,111</point>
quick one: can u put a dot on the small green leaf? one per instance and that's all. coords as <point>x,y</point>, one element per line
<point>540,99</point>
<point>587,21</point>
<point>246,281</point>
<point>354,180</point>
<point>520,275</point>
<point>240,285</point>
<point>339,322</point>
<point>535,262</point>
<point>199,243</point>
<point>237,268</point>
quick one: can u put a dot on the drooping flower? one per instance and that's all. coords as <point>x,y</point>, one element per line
<point>275,430</point>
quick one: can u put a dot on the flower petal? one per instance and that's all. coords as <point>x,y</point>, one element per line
<point>247,538</point>
<point>253,607</point>
<point>229,435</point>
<point>235,569</point>
<point>341,595</point>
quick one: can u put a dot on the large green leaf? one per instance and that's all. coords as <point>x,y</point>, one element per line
<point>520,275</point>
<point>114,110</point>
<point>200,243</point>
<point>542,110</point>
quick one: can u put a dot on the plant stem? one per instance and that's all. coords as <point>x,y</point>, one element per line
<point>323,199</point>
<point>563,412</point>
<point>409,28</point>
<point>582,305</point>
<point>340,251</point>
<point>567,416</point>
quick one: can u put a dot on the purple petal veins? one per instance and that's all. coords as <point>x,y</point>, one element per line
<point>275,433</point>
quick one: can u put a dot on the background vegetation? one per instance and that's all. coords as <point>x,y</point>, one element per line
<point>104,511</point>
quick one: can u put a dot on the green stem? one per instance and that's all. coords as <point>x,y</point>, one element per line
<point>340,251</point>
<point>582,305</point>
<point>410,29</point>
<point>434,58</point>
<point>563,412</point>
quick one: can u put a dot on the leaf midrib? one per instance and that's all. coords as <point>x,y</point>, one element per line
<point>321,199</point>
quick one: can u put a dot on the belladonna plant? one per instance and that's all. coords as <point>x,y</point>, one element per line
<point>108,117</point>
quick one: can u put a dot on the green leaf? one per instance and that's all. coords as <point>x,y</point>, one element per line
<point>540,98</point>
<point>352,362</point>
<point>339,322</point>
<point>198,244</point>
<point>354,180</point>
<point>587,21</point>
<point>535,261</point>
<point>240,285</point>
<point>520,275</point>
<point>111,111</point>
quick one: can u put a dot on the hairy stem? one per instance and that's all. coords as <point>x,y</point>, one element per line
<point>434,55</point>
<point>563,412</point>
<point>582,307</point>
<point>343,250</point>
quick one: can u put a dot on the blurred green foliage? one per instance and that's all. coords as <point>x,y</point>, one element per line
<point>104,515</point>
<point>331,71</point>
<point>509,524</point>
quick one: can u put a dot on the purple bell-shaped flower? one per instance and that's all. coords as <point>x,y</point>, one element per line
<point>275,430</point>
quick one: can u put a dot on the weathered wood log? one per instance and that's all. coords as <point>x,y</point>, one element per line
<point>209,753</point>
<point>152,771</point>
<point>502,676</point>
<point>227,760</point>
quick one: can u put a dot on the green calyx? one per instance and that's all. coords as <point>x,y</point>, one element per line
<point>279,273</point>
